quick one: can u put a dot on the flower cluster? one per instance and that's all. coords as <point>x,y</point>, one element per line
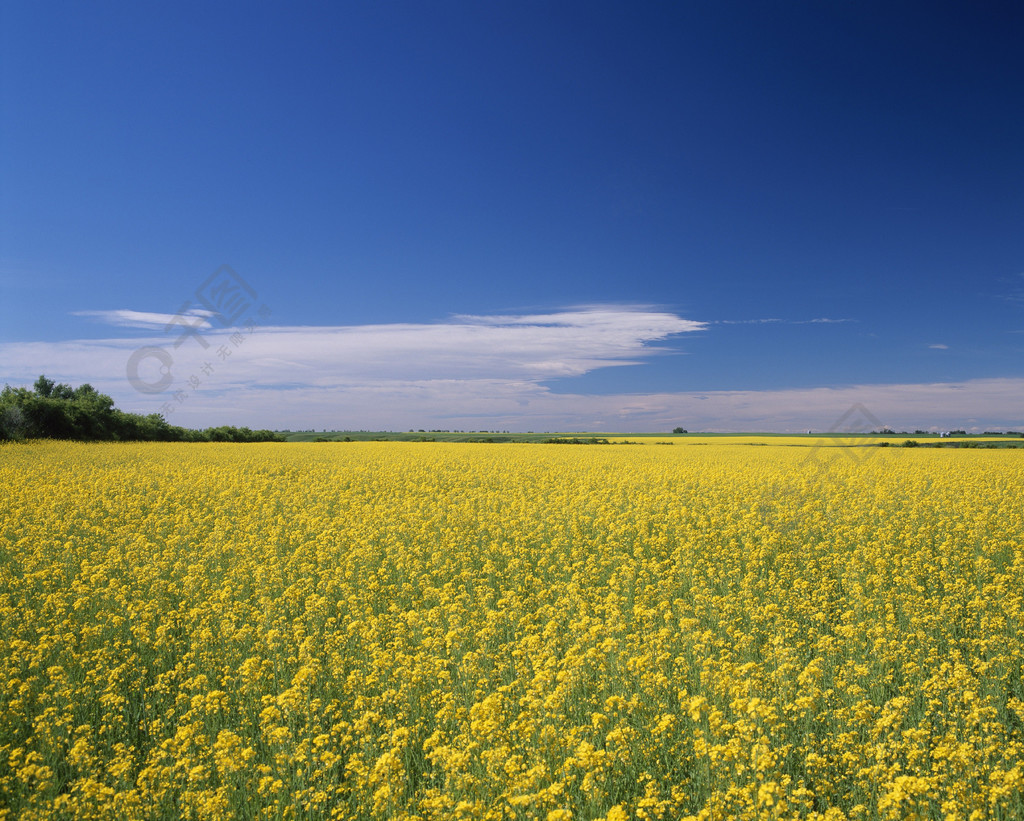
<point>444,631</point>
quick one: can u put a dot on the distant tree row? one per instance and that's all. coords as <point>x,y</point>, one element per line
<point>57,411</point>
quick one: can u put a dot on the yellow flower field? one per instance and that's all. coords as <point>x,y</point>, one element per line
<point>435,631</point>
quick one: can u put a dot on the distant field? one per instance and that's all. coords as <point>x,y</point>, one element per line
<point>422,436</point>
<point>484,631</point>
<point>778,439</point>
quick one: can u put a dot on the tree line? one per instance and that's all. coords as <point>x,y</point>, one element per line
<point>57,411</point>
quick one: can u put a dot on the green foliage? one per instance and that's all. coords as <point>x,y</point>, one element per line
<point>58,411</point>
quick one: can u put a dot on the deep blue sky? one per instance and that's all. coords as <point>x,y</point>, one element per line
<point>407,163</point>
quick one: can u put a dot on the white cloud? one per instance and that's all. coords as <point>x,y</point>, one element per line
<point>466,350</point>
<point>938,346</point>
<point>777,321</point>
<point>474,372</point>
<point>147,320</point>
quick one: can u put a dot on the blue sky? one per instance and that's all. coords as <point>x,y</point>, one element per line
<point>528,216</point>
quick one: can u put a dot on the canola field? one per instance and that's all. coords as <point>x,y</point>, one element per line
<point>457,631</point>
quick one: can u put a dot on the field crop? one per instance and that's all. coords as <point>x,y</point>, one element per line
<point>436,631</point>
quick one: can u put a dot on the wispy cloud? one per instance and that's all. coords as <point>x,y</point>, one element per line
<point>747,321</point>
<point>144,319</point>
<point>777,321</point>
<point>938,346</point>
<point>527,348</point>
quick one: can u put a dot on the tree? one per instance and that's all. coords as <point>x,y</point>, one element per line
<point>58,411</point>
<point>43,386</point>
<point>12,423</point>
<point>679,430</point>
